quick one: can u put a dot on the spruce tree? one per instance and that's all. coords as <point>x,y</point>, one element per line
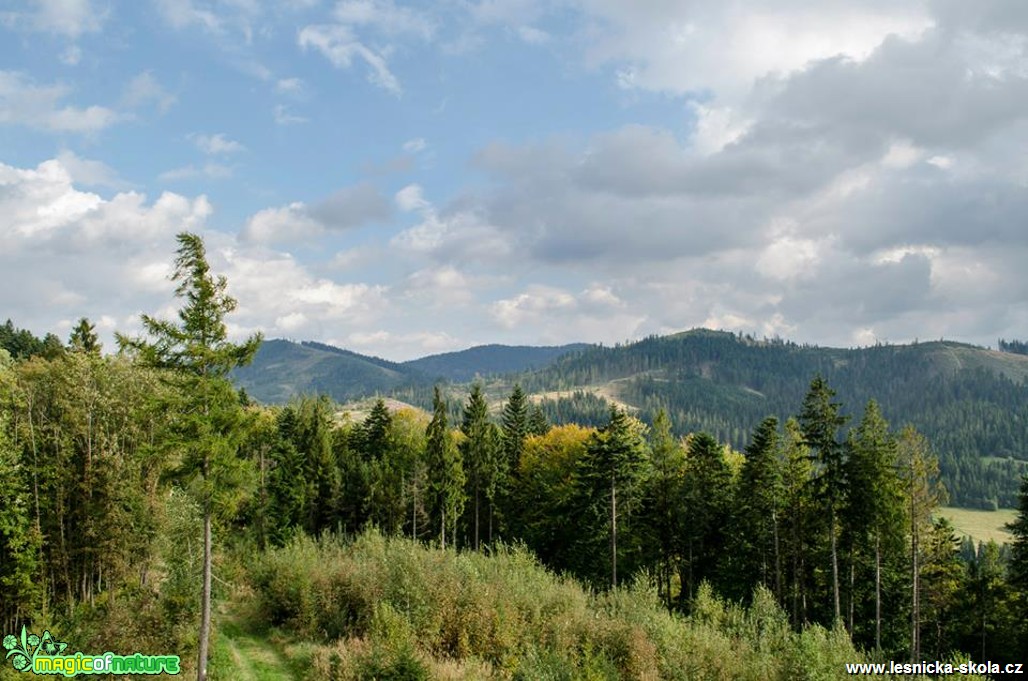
<point>1018,568</point>
<point>758,513</point>
<point>198,354</point>
<point>821,421</point>
<point>663,511</point>
<point>707,499</point>
<point>446,470</point>
<point>476,453</point>
<point>84,339</point>
<point>798,517</point>
<point>611,473</point>
<point>919,471</point>
<point>873,517</point>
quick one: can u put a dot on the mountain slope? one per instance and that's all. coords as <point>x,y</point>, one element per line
<point>484,360</point>
<point>972,403</point>
<point>283,369</point>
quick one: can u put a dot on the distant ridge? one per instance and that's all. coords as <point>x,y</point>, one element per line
<point>484,360</point>
<point>284,369</point>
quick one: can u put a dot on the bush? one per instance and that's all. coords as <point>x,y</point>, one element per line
<point>394,609</point>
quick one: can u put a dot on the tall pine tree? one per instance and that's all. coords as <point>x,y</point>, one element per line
<point>821,421</point>
<point>197,352</point>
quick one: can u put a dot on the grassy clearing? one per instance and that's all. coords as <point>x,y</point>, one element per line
<point>980,525</point>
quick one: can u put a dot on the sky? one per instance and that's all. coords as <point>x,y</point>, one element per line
<point>402,179</point>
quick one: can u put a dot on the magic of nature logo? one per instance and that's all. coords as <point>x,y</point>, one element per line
<point>46,655</point>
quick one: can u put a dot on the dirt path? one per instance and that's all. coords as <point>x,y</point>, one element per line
<point>252,658</point>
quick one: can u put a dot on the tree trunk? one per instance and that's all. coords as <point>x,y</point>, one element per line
<point>778,557</point>
<point>878,593</point>
<point>205,605</point>
<point>613,534</point>
<point>835,563</point>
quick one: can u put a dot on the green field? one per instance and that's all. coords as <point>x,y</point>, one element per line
<point>980,525</point>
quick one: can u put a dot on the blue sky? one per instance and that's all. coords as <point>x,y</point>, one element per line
<point>407,178</point>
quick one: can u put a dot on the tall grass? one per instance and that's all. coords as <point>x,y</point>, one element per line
<point>393,609</point>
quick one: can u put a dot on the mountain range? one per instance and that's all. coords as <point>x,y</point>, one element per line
<point>971,402</point>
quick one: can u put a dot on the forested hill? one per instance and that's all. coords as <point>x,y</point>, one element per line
<point>484,360</point>
<point>283,369</point>
<point>971,402</point>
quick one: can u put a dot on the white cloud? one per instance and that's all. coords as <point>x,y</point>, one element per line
<point>145,89</point>
<point>210,171</point>
<point>22,102</point>
<point>347,208</point>
<point>410,198</point>
<point>558,316</point>
<point>788,257</point>
<point>70,18</point>
<point>70,253</point>
<point>532,35</point>
<point>384,16</point>
<point>71,55</point>
<point>341,42</point>
<point>289,86</point>
<point>89,172</point>
<point>339,45</point>
<point>414,146</point>
<point>288,223</point>
<point>184,13</point>
<point>283,116</point>
<point>216,144</point>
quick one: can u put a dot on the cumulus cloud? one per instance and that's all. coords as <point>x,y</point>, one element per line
<point>24,102</point>
<point>347,208</point>
<point>144,89</point>
<point>70,18</point>
<point>216,144</point>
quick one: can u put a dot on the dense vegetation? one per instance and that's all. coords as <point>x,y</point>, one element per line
<point>972,403</point>
<point>972,406</point>
<point>137,488</point>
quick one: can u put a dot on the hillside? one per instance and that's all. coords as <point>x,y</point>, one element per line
<point>971,402</point>
<point>485,360</point>
<point>283,369</point>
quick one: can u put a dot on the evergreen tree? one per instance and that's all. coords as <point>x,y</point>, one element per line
<point>446,470</point>
<point>515,426</point>
<point>707,499</point>
<point>663,513</point>
<point>197,350</point>
<point>798,517</point>
<point>84,339</point>
<point>821,421</point>
<point>1018,568</point>
<point>873,515</point>
<point>476,454</point>
<point>923,494</point>
<point>312,437</point>
<point>758,513</point>
<point>537,423</point>
<point>611,473</point>
<point>19,539</point>
<point>287,480</point>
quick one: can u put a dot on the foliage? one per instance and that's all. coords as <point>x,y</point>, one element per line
<point>393,605</point>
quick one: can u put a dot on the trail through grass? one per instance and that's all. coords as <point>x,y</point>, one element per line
<point>242,655</point>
